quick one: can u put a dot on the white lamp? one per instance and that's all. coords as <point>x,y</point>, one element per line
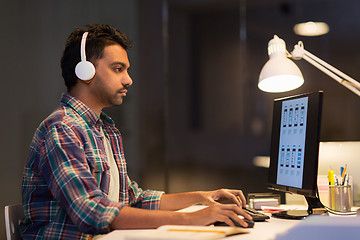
<point>280,74</point>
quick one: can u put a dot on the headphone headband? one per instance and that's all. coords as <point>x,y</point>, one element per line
<point>84,70</point>
<point>82,47</point>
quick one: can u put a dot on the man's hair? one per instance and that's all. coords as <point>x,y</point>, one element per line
<point>98,38</point>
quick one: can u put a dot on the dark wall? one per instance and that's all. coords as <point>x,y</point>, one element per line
<point>218,120</point>
<point>33,34</point>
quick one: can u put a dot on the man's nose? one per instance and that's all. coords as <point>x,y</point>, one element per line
<point>127,81</point>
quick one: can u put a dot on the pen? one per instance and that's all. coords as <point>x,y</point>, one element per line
<point>195,230</point>
<point>346,179</point>
<point>343,174</point>
<point>336,181</point>
<point>329,176</point>
<point>341,171</point>
<point>332,180</point>
<point>344,171</point>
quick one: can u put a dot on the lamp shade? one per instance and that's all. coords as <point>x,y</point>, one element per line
<point>279,74</point>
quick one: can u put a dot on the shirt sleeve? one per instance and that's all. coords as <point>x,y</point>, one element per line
<point>147,199</point>
<point>72,184</point>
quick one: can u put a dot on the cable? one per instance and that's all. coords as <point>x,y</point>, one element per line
<point>340,213</point>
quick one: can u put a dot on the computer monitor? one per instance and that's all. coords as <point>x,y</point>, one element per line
<point>294,149</point>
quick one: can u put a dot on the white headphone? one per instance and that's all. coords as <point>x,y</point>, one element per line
<point>84,70</point>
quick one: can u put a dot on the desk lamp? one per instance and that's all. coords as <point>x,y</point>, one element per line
<point>280,74</point>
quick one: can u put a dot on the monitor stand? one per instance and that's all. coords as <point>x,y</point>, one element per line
<point>313,202</point>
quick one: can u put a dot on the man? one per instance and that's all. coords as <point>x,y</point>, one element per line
<point>75,183</point>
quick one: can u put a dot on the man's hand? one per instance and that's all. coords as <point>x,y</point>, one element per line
<point>219,212</point>
<point>178,201</point>
<point>213,197</point>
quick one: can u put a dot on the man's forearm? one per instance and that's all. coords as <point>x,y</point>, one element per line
<point>178,201</point>
<point>135,218</point>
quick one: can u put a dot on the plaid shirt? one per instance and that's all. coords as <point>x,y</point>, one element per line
<point>66,176</point>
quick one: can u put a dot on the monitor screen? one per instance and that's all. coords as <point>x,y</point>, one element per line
<point>295,144</point>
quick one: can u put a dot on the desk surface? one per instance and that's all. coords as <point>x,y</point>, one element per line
<point>262,230</point>
<point>267,230</point>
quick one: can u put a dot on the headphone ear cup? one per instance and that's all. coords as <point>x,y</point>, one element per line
<point>85,70</point>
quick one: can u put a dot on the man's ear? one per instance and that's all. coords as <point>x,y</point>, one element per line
<point>79,81</point>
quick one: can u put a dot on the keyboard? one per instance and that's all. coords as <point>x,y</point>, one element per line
<point>256,215</point>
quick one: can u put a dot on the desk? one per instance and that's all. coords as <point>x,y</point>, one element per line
<point>261,231</point>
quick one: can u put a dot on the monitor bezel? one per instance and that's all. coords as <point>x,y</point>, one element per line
<point>312,140</point>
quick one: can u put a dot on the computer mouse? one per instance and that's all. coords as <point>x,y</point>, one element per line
<point>250,223</point>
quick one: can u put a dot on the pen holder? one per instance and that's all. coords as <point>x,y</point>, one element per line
<point>340,198</point>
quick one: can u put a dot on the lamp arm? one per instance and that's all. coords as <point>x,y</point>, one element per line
<point>345,80</point>
<point>334,73</point>
<point>333,69</point>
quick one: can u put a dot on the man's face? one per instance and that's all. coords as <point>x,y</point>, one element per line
<point>110,83</point>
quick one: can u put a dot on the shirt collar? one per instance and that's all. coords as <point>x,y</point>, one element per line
<point>85,112</point>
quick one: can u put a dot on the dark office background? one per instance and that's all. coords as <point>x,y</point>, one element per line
<point>194,118</point>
